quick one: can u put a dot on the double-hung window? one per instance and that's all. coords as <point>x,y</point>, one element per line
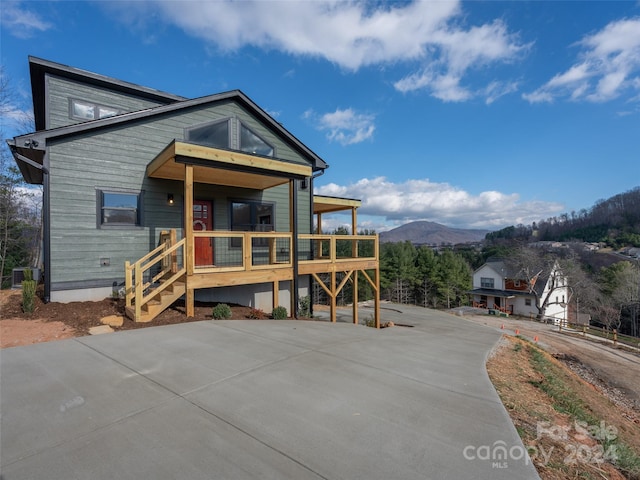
<point>119,208</point>
<point>486,282</point>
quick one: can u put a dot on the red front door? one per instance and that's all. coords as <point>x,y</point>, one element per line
<point>202,220</point>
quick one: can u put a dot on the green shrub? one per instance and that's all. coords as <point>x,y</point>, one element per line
<point>28,292</point>
<point>222,311</point>
<point>27,275</point>
<point>279,313</point>
<point>304,308</point>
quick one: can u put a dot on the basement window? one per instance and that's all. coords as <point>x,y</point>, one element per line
<point>119,208</point>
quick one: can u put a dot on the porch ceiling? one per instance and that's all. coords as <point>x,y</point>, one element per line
<point>322,204</point>
<point>224,167</point>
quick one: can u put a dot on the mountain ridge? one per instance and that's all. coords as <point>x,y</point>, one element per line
<point>431,233</point>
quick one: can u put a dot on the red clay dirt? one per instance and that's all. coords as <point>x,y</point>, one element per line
<point>56,321</point>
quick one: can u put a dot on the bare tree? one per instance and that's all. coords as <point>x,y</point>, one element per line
<point>608,314</point>
<point>19,206</point>
<point>627,292</point>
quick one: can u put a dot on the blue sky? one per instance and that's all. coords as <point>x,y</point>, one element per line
<point>472,114</point>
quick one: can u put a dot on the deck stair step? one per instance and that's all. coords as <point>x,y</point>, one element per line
<point>159,302</point>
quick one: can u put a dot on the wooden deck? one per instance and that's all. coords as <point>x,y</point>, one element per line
<point>170,271</point>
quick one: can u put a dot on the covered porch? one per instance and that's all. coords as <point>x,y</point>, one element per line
<point>492,300</point>
<point>176,269</point>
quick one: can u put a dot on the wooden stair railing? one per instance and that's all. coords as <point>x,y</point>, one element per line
<point>145,300</point>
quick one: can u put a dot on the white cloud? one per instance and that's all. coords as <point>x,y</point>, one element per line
<point>20,21</point>
<point>349,33</point>
<point>495,90</point>
<point>413,200</point>
<point>346,127</point>
<point>607,66</point>
<point>460,51</point>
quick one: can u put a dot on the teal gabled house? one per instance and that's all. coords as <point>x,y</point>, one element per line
<point>164,198</point>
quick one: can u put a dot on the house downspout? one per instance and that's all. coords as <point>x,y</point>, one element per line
<point>46,218</point>
<point>294,214</point>
<point>46,229</point>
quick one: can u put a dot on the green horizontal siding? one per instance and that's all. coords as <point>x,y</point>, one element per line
<point>117,158</point>
<point>60,90</point>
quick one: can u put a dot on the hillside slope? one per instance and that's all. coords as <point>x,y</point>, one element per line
<point>431,233</point>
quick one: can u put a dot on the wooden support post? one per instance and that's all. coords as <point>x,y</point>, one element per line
<point>246,252</point>
<point>333,297</point>
<point>376,313</point>
<point>276,294</point>
<point>188,218</point>
<point>138,281</point>
<point>191,311</point>
<point>189,240</point>
<point>354,254</point>
<point>273,258</point>
<point>173,238</point>
<point>355,297</point>
<point>128,284</point>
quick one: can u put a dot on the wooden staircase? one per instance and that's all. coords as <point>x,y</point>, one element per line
<point>159,301</point>
<point>148,295</point>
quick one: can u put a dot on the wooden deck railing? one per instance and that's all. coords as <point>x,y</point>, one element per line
<point>242,257</point>
<point>245,251</point>
<point>336,248</point>
<point>165,262</point>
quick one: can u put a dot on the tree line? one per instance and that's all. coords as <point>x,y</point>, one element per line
<point>442,278</point>
<point>614,221</point>
<point>409,274</point>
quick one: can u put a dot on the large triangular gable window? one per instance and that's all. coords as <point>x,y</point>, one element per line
<point>252,143</point>
<point>220,134</point>
<point>215,134</point>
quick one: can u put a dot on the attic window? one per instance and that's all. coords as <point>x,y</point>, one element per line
<point>83,110</point>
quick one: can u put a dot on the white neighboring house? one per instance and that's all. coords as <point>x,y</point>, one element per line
<point>496,286</point>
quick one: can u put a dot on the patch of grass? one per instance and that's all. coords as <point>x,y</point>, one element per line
<point>565,400</point>
<point>628,461</point>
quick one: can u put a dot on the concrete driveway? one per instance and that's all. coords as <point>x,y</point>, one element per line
<point>260,399</point>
